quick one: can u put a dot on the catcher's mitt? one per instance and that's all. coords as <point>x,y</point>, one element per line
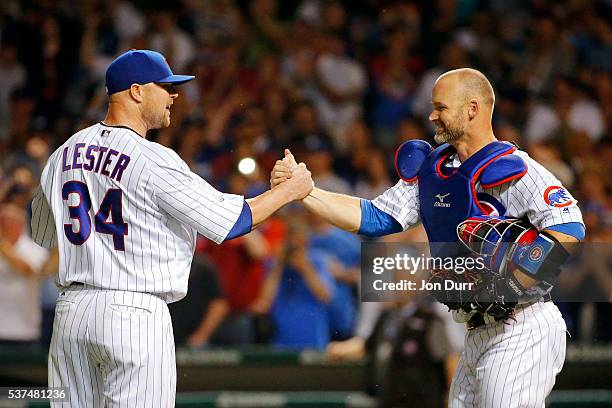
<point>472,292</point>
<point>494,239</point>
<point>464,287</point>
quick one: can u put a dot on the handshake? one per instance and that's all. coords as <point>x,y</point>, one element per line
<point>293,177</point>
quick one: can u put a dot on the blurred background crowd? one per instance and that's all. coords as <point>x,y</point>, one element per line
<point>341,83</point>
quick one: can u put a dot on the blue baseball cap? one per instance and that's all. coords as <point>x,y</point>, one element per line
<point>140,67</point>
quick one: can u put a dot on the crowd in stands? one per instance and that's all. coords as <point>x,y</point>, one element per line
<point>342,84</point>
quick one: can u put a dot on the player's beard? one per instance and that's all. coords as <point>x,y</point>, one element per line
<point>158,120</point>
<point>166,118</point>
<point>448,133</point>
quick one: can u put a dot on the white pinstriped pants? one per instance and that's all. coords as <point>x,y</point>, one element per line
<point>511,365</point>
<point>112,348</point>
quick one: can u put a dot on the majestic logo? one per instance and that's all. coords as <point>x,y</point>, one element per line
<point>557,196</point>
<point>440,202</point>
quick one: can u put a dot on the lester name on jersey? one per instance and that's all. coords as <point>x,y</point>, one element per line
<point>127,205</point>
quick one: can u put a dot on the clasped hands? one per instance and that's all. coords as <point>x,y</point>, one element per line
<point>287,171</point>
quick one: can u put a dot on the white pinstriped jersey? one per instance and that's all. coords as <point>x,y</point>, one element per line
<point>125,212</point>
<point>525,197</point>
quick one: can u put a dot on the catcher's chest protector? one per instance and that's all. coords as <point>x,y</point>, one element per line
<point>447,196</point>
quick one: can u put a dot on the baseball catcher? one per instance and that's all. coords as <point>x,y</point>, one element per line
<point>471,194</point>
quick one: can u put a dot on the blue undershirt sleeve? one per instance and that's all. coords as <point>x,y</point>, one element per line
<point>243,224</point>
<point>575,229</point>
<point>375,222</point>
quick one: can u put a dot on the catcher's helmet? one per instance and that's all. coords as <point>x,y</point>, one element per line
<point>495,238</point>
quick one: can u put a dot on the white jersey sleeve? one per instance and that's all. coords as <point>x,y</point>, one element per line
<point>402,203</point>
<point>190,199</point>
<point>42,223</point>
<point>539,196</point>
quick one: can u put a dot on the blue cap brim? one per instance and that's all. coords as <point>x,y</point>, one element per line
<point>175,79</point>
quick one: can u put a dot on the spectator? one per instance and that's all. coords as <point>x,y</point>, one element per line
<point>424,345</point>
<point>20,186</point>
<point>308,138</point>
<point>588,280</point>
<point>341,84</point>
<point>352,165</point>
<point>452,56</point>
<point>213,22</point>
<point>480,41</point>
<point>375,178</point>
<point>196,317</point>
<point>297,292</point>
<point>550,157</point>
<point>306,123</point>
<point>570,109</point>
<point>128,21</point>
<point>23,106</point>
<point>12,77</point>
<point>21,261</point>
<point>269,33</point>
<point>394,83</point>
<point>320,158</point>
<point>240,267</point>
<point>547,56</point>
<point>410,129</point>
<point>276,107</point>
<point>171,41</point>
<point>596,204</point>
<point>343,253</point>
<point>49,295</point>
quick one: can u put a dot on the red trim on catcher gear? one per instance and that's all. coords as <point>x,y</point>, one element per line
<point>490,210</point>
<point>410,180</point>
<point>477,175</point>
<point>527,237</point>
<point>507,179</point>
<point>439,163</point>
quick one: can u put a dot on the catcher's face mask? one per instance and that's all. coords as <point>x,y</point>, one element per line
<point>495,238</point>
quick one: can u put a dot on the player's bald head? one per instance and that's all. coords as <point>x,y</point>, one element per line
<point>462,104</point>
<point>469,84</point>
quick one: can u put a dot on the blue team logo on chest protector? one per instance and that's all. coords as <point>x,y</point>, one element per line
<point>448,195</point>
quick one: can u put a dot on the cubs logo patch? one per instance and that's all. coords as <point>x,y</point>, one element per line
<point>557,196</point>
<point>535,253</point>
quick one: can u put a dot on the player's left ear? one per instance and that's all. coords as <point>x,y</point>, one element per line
<point>136,91</point>
<point>473,109</point>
